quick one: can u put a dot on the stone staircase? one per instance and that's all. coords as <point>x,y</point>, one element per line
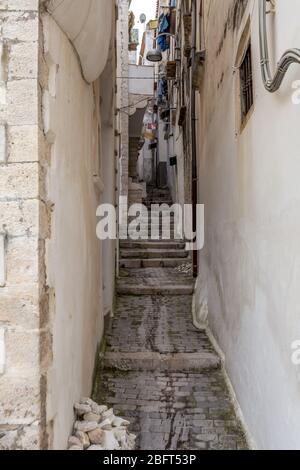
<point>165,251</point>
<point>133,155</point>
<point>158,370</point>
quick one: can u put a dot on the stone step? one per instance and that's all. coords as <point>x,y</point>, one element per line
<point>146,232</point>
<point>155,218</point>
<point>124,288</point>
<point>154,221</point>
<point>153,202</point>
<point>152,361</point>
<point>157,199</point>
<point>151,212</point>
<point>151,263</point>
<point>144,245</point>
<point>163,238</point>
<point>151,253</point>
<point>158,195</point>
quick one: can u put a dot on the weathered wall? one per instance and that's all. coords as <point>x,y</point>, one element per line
<point>179,143</point>
<point>51,303</point>
<point>23,227</point>
<point>123,93</point>
<point>108,172</point>
<point>73,259</point>
<point>249,269</point>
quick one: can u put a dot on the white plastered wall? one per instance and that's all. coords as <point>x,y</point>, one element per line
<point>73,259</point>
<point>250,267</point>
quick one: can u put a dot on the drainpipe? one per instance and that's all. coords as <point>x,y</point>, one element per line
<point>193,136</point>
<point>291,56</point>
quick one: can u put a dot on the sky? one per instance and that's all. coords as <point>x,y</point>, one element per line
<point>143,6</point>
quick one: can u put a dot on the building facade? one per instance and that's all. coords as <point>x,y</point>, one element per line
<point>230,144</point>
<point>81,123</point>
<point>57,164</point>
<point>248,165</point>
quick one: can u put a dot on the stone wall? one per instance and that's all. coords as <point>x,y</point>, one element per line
<point>26,341</point>
<point>51,182</point>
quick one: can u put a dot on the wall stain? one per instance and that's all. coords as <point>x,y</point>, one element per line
<point>233,21</point>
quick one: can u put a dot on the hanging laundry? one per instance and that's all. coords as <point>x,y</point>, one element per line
<point>164,27</point>
<point>162,88</point>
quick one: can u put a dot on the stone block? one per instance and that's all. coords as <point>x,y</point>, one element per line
<point>19,5</point>
<point>22,353</point>
<point>29,438</point>
<point>19,181</point>
<point>2,144</point>
<point>19,306</point>
<point>21,26</point>
<point>21,437</point>
<point>19,218</point>
<point>23,61</point>
<point>8,439</point>
<point>24,218</point>
<point>22,266</point>
<point>19,400</point>
<point>23,144</point>
<point>22,102</point>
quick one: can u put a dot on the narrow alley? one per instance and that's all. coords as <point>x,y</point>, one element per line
<point>149,227</point>
<point>159,371</point>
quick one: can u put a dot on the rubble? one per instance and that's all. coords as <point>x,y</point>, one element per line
<point>97,428</point>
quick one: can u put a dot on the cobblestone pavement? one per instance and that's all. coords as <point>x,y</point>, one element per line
<point>175,411</point>
<point>155,279</point>
<point>165,376</point>
<point>155,323</point>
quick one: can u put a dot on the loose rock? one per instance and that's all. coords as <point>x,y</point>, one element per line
<point>86,401</point>
<point>82,409</point>
<point>96,436</point>
<point>98,409</point>
<point>184,268</point>
<point>92,417</point>
<point>108,414</point>
<point>74,441</point>
<point>84,439</point>
<point>119,434</point>
<point>102,409</point>
<point>117,422</point>
<point>85,426</point>
<point>106,425</point>
<point>99,429</point>
<point>109,441</point>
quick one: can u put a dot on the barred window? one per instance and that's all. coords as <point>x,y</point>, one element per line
<point>246,83</point>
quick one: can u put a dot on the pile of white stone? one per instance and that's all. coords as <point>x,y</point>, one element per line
<point>97,428</point>
<point>186,268</point>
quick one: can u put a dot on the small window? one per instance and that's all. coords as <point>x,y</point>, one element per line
<point>246,84</point>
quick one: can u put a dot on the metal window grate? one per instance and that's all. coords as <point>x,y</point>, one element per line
<point>246,81</point>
